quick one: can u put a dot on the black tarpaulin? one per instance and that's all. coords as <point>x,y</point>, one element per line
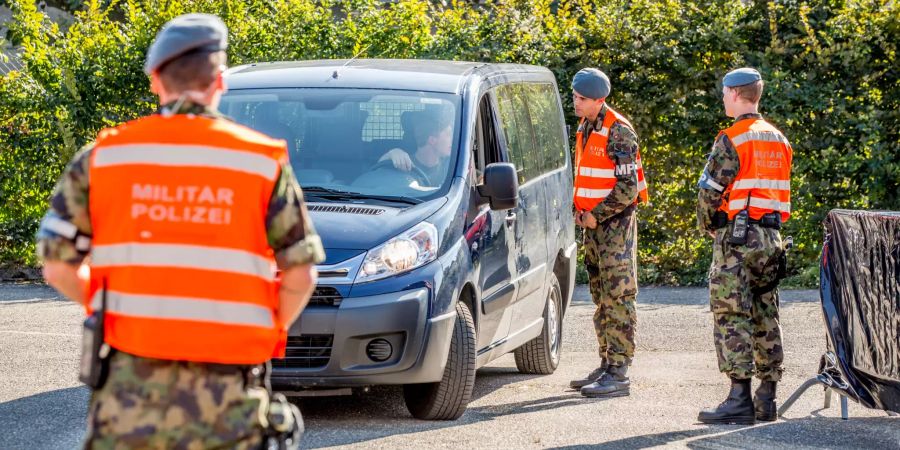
<point>860,290</point>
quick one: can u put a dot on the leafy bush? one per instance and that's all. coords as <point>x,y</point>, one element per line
<point>832,87</point>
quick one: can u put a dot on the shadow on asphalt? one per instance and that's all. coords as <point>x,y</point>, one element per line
<point>45,421</point>
<point>382,413</point>
<point>816,432</point>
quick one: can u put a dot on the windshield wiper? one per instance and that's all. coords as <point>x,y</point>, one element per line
<point>337,194</point>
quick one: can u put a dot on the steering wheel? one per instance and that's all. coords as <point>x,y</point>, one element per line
<point>415,171</point>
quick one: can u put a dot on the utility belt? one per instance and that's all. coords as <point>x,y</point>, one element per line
<point>738,236</point>
<point>771,220</point>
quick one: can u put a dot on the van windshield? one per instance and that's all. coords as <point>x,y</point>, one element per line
<point>358,143</point>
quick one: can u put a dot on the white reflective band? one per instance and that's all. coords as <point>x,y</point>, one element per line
<point>753,183</point>
<point>712,183</point>
<point>183,256</point>
<point>639,164</point>
<point>592,193</point>
<point>187,156</point>
<point>774,205</point>
<point>767,136</point>
<point>61,227</point>
<point>642,185</point>
<point>602,132</point>
<point>596,173</point>
<point>183,308</point>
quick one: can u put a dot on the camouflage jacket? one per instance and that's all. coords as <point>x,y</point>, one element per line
<point>722,168</point>
<point>290,232</point>
<point>623,148</point>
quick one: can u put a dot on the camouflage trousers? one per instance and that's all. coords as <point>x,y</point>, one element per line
<point>161,404</point>
<point>610,252</point>
<point>746,331</point>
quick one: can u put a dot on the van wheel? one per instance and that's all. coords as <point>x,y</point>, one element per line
<point>541,355</point>
<point>448,398</point>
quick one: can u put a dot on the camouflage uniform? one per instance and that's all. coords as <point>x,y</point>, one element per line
<point>610,251</point>
<point>151,403</point>
<point>747,332</point>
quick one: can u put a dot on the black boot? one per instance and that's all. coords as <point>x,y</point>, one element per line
<point>764,403</point>
<point>613,383</point>
<point>592,377</point>
<point>737,408</point>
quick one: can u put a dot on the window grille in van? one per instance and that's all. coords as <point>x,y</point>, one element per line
<point>345,209</point>
<point>383,119</point>
<point>307,351</point>
<point>326,296</point>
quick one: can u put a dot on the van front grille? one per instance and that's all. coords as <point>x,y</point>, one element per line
<point>307,351</point>
<point>326,296</point>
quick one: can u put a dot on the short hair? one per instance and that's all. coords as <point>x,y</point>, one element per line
<point>750,92</point>
<point>430,122</point>
<point>194,70</point>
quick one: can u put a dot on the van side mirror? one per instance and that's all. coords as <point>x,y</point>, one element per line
<point>501,186</point>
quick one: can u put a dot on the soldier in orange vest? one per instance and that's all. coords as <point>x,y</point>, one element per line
<point>744,198</point>
<point>182,218</point>
<point>609,183</point>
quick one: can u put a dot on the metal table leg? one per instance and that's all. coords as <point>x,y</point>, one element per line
<point>803,388</point>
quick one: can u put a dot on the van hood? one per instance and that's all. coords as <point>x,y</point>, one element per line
<point>348,229</point>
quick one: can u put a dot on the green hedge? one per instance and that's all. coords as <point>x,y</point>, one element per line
<point>832,87</point>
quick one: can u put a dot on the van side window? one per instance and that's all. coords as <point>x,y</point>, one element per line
<point>547,123</point>
<point>516,125</point>
<point>531,118</point>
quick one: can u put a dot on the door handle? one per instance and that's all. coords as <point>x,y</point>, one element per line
<point>510,219</point>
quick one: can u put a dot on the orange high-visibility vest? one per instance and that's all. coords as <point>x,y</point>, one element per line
<point>178,207</point>
<point>595,171</point>
<point>763,183</point>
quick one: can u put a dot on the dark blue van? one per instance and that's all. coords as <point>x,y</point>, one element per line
<point>443,195</point>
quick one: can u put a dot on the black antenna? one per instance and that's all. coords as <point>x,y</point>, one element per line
<point>335,74</point>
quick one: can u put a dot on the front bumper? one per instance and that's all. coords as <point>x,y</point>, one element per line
<point>419,344</point>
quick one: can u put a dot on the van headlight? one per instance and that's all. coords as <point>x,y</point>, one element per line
<point>413,248</point>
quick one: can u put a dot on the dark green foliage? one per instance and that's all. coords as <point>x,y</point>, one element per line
<point>832,87</point>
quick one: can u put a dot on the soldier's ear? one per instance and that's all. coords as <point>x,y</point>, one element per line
<point>156,85</point>
<point>220,83</point>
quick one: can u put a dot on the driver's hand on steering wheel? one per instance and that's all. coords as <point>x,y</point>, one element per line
<point>399,158</point>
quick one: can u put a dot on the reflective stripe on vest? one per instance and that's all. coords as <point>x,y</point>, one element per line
<point>595,175</point>
<point>763,183</point>
<point>755,202</point>
<point>187,156</point>
<point>184,256</point>
<point>592,193</point>
<point>183,308</point>
<point>178,207</point>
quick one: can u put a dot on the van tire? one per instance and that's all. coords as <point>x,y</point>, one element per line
<point>541,355</point>
<point>448,398</point>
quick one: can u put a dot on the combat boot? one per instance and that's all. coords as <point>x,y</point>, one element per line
<point>764,403</point>
<point>736,409</point>
<point>613,383</point>
<point>592,377</point>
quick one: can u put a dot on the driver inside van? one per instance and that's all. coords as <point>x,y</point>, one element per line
<point>433,134</point>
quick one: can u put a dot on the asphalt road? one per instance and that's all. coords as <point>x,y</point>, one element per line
<point>42,406</point>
